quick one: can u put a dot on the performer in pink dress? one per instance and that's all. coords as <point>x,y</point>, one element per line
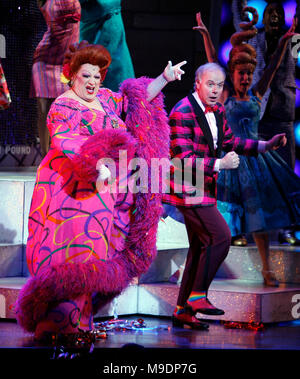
<point>85,246</point>
<point>5,98</point>
<point>62,18</point>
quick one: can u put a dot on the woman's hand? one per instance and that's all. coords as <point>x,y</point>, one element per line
<point>290,33</point>
<point>275,142</point>
<point>172,73</point>
<point>201,27</point>
<point>104,175</point>
<point>104,172</point>
<point>208,44</point>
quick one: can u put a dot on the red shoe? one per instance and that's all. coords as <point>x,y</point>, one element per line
<point>203,306</point>
<point>186,318</point>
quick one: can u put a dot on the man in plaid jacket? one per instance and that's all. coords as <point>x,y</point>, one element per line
<point>199,133</point>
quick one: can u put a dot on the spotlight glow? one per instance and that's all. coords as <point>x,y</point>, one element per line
<point>224,51</point>
<point>259,5</point>
<point>297,133</point>
<point>225,14</point>
<point>289,10</point>
<point>297,93</point>
<point>297,167</point>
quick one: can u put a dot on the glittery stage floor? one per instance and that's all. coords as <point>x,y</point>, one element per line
<point>158,332</point>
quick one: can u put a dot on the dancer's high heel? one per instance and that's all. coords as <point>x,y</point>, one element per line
<point>269,278</point>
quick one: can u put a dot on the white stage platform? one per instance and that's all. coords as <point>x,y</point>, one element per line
<point>238,287</point>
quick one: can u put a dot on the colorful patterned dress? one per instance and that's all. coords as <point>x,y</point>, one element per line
<point>263,193</point>
<point>84,246</point>
<point>5,98</point>
<point>62,18</point>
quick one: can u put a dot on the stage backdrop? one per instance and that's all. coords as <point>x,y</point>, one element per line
<point>156,31</point>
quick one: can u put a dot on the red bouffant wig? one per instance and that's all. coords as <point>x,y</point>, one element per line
<point>82,53</point>
<point>242,54</point>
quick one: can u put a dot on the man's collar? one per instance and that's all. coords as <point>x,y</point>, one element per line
<point>214,108</point>
<point>196,96</point>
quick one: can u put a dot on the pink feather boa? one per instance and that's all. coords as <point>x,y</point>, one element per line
<point>104,144</point>
<point>110,278</point>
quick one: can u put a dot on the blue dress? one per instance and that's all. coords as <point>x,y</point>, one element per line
<point>263,193</point>
<point>102,23</point>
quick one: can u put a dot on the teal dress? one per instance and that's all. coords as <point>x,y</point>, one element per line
<point>263,193</point>
<point>101,23</point>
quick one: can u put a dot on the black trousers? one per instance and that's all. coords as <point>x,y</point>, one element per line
<point>209,238</point>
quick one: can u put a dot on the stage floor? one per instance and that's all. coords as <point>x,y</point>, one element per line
<point>159,333</point>
<point>160,351</point>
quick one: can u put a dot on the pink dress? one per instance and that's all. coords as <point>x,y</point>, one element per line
<point>85,246</point>
<point>5,98</point>
<point>62,18</point>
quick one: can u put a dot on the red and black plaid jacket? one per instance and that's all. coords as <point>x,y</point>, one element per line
<point>191,138</point>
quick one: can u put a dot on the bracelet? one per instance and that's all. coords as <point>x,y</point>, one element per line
<point>163,75</point>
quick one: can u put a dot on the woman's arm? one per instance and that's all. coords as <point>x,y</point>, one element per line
<point>263,84</point>
<point>208,44</point>
<point>63,122</point>
<point>84,151</point>
<point>237,12</point>
<point>170,74</point>
<point>210,51</point>
<point>118,101</point>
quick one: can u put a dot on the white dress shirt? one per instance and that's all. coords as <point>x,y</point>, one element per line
<point>210,117</point>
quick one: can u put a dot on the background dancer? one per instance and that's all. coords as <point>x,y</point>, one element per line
<point>62,18</point>
<point>101,23</point>
<point>263,193</point>
<point>278,103</point>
